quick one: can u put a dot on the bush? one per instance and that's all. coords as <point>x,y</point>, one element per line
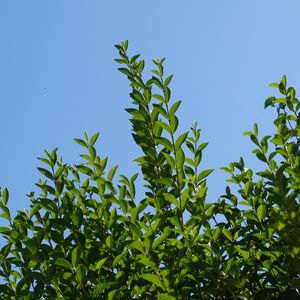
<point>88,236</point>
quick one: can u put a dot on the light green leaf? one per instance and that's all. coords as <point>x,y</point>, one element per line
<point>109,242</point>
<point>158,97</point>
<point>100,263</point>
<point>227,234</point>
<point>111,173</point>
<point>180,158</point>
<point>255,129</point>
<point>5,196</point>
<point>173,123</point>
<point>174,107</point>
<point>135,229</point>
<point>261,212</point>
<point>94,139</point>
<point>168,80</point>
<point>165,142</point>
<point>62,263</point>
<point>153,279</point>
<point>204,174</point>
<point>181,139</point>
<point>171,198</point>
<point>169,160</point>
<point>119,257</point>
<point>75,257</point>
<point>59,171</point>
<point>81,142</point>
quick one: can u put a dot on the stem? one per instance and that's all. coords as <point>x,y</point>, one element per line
<point>175,154</point>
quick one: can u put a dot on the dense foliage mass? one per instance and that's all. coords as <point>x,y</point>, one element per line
<point>89,236</point>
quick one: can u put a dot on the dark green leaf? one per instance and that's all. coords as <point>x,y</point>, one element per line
<point>46,173</point>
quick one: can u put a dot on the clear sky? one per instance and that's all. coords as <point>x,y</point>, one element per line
<point>58,77</point>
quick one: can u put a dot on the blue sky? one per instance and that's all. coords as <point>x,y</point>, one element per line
<point>58,77</point>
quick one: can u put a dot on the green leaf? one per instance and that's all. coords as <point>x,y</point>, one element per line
<point>100,263</point>
<point>168,80</point>
<point>161,99</point>
<point>125,71</point>
<point>85,170</point>
<point>153,279</point>
<point>112,293</point>
<point>245,254</point>
<point>4,230</point>
<point>112,173</point>
<point>276,85</point>
<point>198,157</point>
<point>132,185</point>
<point>62,263</point>
<point>5,212</point>
<point>75,256</point>
<point>261,212</point>
<point>165,142</point>
<point>161,110</point>
<point>180,158</point>
<point>46,161</point>
<point>173,123</point>
<point>81,272</point>
<point>202,146</point>
<point>101,287</point>
<point>59,171</point>
<point>181,139</point>
<point>119,257</point>
<point>135,229</point>
<point>5,196</point>
<point>227,234</point>
<point>283,80</point>
<point>166,181</point>
<point>109,242</point>
<point>171,198</point>
<point>269,102</point>
<point>167,93</point>
<point>157,82</point>
<point>94,139</point>
<point>174,107</point>
<point>254,139</point>
<point>134,58</point>
<point>46,173</point>
<point>204,174</point>
<point>81,142</point>
<point>169,160</point>
<point>255,129</point>
<point>164,126</point>
<point>31,245</point>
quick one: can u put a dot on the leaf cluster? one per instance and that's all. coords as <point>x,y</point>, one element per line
<point>90,235</point>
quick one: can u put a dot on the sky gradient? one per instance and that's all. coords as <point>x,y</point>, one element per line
<point>58,77</point>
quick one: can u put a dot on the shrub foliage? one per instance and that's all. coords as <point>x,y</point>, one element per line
<point>88,235</point>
